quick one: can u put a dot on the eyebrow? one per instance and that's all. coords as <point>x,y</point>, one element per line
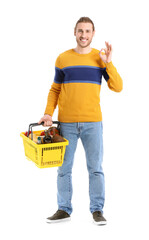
<point>85,29</point>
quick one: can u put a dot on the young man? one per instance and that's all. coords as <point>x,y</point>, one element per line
<point>76,90</point>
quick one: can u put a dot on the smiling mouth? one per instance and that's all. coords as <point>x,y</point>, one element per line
<point>83,40</point>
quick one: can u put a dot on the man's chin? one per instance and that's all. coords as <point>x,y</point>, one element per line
<point>84,45</point>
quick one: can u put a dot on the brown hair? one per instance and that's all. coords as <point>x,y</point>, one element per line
<point>85,20</point>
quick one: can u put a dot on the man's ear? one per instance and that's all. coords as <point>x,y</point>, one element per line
<point>74,31</point>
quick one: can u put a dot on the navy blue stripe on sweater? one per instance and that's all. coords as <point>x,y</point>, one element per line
<point>82,74</point>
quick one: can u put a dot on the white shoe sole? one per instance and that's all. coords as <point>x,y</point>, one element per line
<point>59,220</point>
<point>101,223</point>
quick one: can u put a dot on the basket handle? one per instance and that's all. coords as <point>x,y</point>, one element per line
<point>36,124</point>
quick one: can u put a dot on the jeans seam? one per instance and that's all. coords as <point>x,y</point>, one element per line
<point>69,190</point>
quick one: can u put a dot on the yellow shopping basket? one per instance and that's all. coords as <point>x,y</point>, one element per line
<point>44,155</point>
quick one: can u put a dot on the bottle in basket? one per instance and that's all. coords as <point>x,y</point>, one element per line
<point>39,140</point>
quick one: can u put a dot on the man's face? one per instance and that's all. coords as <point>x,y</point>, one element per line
<point>84,34</point>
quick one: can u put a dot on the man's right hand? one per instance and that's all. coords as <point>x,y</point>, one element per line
<point>47,119</point>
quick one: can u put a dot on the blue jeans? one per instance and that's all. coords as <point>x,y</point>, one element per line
<point>90,134</point>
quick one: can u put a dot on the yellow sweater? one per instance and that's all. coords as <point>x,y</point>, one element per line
<point>77,84</point>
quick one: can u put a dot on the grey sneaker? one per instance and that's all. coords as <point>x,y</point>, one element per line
<point>59,216</point>
<point>98,218</point>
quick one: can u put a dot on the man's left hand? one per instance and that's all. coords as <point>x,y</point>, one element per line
<point>106,58</point>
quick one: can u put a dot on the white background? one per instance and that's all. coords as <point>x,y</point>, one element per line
<point>33,34</point>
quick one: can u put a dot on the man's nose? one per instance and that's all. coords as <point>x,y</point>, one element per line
<point>83,34</point>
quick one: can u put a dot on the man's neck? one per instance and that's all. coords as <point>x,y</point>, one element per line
<point>81,50</point>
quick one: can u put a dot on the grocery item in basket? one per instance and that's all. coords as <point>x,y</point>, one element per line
<point>42,133</point>
<point>47,138</point>
<point>27,133</point>
<point>34,137</point>
<point>52,131</point>
<point>42,138</point>
<point>57,138</point>
<point>39,141</point>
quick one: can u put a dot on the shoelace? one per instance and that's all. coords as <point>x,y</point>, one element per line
<point>99,214</point>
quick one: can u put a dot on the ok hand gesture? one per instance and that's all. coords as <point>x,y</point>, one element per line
<point>108,53</point>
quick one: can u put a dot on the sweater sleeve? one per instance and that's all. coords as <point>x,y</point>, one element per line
<point>112,77</point>
<point>55,89</point>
